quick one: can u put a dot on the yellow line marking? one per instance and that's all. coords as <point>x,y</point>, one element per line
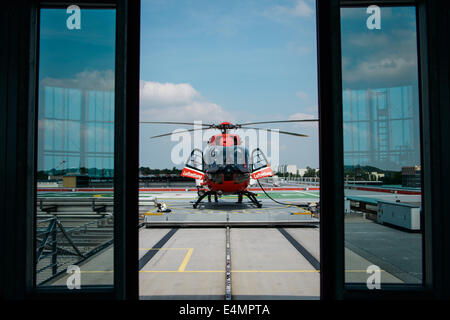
<point>148,213</point>
<point>186,260</point>
<point>365,271</point>
<point>215,271</point>
<point>186,271</point>
<point>164,248</point>
<point>158,271</point>
<point>236,271</point>
<point>276,271</point>
<point>302,213</point>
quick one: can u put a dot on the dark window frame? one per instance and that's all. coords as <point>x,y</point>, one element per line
<point>333,284</point>
<point>18,22</point>
<point>26,44</point>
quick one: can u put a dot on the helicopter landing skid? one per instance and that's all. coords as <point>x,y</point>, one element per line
<point>202,195</point>
<point>250,195</point>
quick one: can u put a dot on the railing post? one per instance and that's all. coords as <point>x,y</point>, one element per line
<point>54,251</point>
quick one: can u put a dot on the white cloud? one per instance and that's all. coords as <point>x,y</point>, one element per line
<point>368,39</point>
<point>304,116</point>
<point>302,9</point>
<point>177,102</point>
<point>87,79</point>
<point>154,94</point>
<point>383,71</point>
<point>301,50</point>
<point>379,60</point>
<point>279,13</point>
<point>302,95</point>
<point>301,116</point>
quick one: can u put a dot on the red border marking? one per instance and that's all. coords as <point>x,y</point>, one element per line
<point>397,191</point>
<point>409,192</point>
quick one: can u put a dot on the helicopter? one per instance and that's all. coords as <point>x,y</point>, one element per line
<point>226,166</point>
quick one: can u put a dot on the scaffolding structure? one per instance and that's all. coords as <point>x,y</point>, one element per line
<point>381,127</point>
<point>76,126</point>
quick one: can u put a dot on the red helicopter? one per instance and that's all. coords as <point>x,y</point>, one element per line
<point>225,167</point>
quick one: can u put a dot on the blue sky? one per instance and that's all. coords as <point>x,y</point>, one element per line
<point>65,53</point>
<point>233,52</point>
<point>239,61</point>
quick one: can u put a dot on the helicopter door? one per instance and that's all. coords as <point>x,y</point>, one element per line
<point>194,167</point>
<point>260,165</point>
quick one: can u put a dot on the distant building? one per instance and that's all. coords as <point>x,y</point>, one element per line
<point>411,177</point>
<point>375,176</point>
<point>288,168</point>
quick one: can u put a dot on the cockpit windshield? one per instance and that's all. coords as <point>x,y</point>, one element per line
<point>220,155</point>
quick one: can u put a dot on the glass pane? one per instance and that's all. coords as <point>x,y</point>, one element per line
<point>225,63</point>
<point>74,210</point>
<point>382,164</point>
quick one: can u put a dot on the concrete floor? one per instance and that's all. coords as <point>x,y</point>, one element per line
<point>191,264</point>
<point>397,252</point>
<point>264,264</point>
<point>97,270</point>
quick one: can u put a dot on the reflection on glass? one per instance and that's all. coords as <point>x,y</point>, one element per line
<point>381,147</point>
<point>74,218</point>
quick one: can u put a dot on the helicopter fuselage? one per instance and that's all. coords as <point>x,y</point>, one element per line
<point>225,167</point>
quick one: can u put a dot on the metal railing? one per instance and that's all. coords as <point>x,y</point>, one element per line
<point>59,246</point>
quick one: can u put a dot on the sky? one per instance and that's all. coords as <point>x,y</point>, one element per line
<point>236,61</point>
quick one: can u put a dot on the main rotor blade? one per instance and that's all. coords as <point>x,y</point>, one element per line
<point>173,122</point>
<point>281,121</point>
<point>169,134</point>
<point>283,132</point>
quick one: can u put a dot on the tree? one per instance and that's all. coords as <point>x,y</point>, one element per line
<point>309,173</point>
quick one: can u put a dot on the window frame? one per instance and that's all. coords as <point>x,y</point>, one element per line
<point>17,165</point>
<point>126,133</point>
<point>333,284</point>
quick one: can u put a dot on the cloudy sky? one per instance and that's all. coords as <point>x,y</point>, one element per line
<point>236,61</point>
<point>376,60</point>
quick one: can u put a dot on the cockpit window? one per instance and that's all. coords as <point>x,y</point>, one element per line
<point>219,155</point>
<point>195,160</point>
